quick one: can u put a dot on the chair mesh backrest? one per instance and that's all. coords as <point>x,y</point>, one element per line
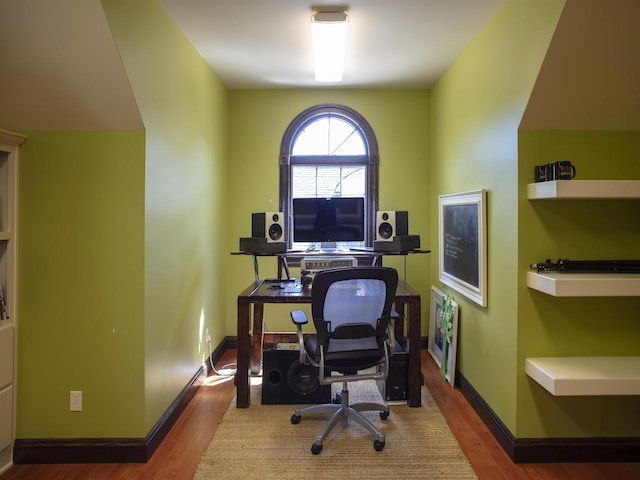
<point>353,295</point>
<point>355,301</point>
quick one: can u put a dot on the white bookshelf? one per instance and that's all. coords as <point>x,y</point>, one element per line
<point>584,189</point>
<point>9,144</point>
<point>597,375</point>
<point>585,284</point>
<point>564,376</point>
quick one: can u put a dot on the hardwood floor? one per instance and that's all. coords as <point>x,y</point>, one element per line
<point>180,453</point>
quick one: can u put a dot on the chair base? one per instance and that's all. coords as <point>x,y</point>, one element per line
<point>343,412</point>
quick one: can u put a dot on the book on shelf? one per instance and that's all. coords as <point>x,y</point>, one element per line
<point>4,313</point>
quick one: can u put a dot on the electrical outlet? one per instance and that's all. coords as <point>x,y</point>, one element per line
<point>207,336</point>
<point>75,401</point>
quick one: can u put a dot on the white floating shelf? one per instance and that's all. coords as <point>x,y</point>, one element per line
<point>576,189</point>
<point>565,376</point>
<point>585,284</point>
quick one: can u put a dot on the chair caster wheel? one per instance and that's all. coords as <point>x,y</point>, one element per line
<point>384,415</point>
<point>378,445</point>
<point>316,449</point>
<point>295,419</point>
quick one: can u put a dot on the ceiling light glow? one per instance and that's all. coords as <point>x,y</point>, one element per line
<point>329,36</point>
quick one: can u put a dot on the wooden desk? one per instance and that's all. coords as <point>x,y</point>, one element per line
<point>256,295</point>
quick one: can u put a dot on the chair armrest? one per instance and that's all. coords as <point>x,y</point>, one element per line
<point>299,318</point>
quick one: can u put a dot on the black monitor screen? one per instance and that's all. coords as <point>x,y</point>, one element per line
<point>339,219</point>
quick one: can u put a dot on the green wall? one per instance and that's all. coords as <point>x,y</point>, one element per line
<point>184,108</point>
<point>476,109</point>
<point>549,326</point>
<point>257,122</point>
<point>120,259</point>
<point>81,284</point>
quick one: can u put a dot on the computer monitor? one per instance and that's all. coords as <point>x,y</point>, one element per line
<point>326,220</point>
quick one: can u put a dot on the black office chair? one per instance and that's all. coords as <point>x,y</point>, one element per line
<point>351,309</point>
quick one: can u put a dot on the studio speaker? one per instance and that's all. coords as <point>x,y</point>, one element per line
<point>390,224</point>
<point>269,225</point>
<point>286,381</point>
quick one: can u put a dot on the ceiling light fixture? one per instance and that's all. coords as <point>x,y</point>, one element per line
<point>329,36</point>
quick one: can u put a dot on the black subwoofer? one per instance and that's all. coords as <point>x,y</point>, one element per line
<point>286,381</point>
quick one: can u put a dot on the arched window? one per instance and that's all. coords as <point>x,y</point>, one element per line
<point>329,151</point>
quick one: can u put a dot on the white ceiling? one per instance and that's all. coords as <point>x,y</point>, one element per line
<point>391,43</point>
<point>61,69</point>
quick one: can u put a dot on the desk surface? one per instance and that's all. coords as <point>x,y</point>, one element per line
<point>276,291</point>
<point>364,251</point>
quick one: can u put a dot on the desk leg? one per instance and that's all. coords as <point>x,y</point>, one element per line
<point>256,346</point>
<point>255,268</point>
<point>414,373</point>
<point>244,349</point>
<point>398,331</point>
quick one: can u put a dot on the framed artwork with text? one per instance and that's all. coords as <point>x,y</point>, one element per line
<point>463,243</point>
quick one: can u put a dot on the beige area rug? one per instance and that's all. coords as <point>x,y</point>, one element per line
<point>261,443</point>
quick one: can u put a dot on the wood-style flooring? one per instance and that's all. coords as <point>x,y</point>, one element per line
<point>180,452</point>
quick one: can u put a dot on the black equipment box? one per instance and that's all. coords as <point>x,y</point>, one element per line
<point>260,245</point>
<point>402,243</point>
<point>394,388</point>
<point>285,381</point>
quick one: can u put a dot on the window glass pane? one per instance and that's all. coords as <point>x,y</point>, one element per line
<point>344,139</point>
<point>352,145</point>
<point>327,181</point>
<point>313,140</point>
<point>329,136</point>
<point>352,182</point>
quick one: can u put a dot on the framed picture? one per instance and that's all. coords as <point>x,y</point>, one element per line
<point>443,333</point>
<point>463,243</point>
